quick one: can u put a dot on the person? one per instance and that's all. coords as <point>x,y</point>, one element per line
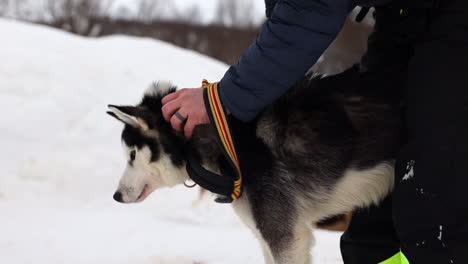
<point>426,219</point>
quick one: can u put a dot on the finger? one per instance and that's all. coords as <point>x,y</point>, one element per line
<point>189,127</point>
<point>170,108</point>
<point>177,124</point>
<point>171,96</point>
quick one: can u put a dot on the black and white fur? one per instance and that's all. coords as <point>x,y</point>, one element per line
<point>324,148</point>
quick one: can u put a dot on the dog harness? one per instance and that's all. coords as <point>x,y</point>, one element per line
<point>230,184</point>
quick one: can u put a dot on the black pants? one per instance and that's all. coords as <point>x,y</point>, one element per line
<point>427,215</point>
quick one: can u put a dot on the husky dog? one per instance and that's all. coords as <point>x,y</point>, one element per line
<point>324,148</point>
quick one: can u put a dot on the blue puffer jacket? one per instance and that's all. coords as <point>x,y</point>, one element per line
<point>290,42</point>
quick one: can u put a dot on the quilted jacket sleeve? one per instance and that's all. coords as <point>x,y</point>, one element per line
<point>289,43</point>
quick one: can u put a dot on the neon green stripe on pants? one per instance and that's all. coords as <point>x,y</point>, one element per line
<point>398,258</point>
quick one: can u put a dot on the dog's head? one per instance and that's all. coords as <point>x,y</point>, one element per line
<point>153,151</point>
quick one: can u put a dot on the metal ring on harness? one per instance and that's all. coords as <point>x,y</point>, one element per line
<point>188,185</point>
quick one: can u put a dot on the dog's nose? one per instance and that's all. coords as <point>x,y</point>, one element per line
<point>118,197</point>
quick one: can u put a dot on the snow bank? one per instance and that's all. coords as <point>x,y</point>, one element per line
<point>62,158</point>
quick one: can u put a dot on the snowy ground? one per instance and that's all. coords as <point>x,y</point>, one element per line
<point>61,158</point>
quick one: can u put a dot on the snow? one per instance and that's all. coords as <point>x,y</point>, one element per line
<point>409,171</point>
<point>440,233</point>
<point>61,158</point>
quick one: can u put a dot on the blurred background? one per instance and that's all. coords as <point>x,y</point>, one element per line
<point>61,63</point>
<point>191,24</point>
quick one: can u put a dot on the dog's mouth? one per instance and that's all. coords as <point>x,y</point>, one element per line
<point>144,193</point>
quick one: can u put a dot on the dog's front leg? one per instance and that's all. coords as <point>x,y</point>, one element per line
<point>290,246</point>
<point>287,233</point>
<point>284,237</point>
<point>243,210</point>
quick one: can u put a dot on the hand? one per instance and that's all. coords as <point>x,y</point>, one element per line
<point>189,103</point>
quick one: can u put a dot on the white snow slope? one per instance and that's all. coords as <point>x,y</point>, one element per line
<point>61,158</point>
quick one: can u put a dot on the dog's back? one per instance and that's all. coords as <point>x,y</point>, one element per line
<point>327,125</point>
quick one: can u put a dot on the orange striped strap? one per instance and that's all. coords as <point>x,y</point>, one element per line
<point>218,117</point>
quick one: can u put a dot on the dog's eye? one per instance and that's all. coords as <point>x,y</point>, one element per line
<point>132,155</point>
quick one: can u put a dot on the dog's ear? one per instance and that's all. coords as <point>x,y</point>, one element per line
<point>130,115</point>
